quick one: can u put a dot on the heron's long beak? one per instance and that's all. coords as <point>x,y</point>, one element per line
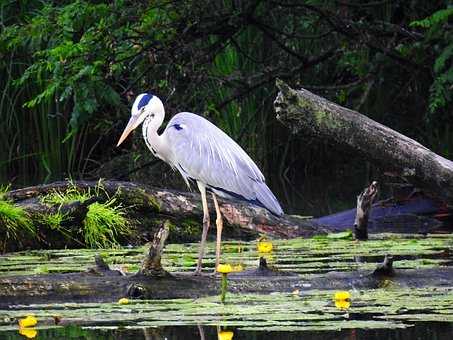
<point>131,125</point>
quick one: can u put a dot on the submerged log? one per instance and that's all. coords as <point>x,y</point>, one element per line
<point>101,284</point>
<point>109,285</point>
<point>364,204</point>
<point>307,113</point>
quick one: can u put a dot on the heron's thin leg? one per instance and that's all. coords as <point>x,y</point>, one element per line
<point>204,234</point>
<point>219,224</point>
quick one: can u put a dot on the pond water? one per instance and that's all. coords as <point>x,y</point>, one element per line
<point>434,331</point>
<point>389,311</point>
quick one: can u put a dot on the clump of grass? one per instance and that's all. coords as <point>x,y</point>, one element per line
<point>103,224</point>
<point>14,220</point>
<point>53,220</point>
<point>72,194</point>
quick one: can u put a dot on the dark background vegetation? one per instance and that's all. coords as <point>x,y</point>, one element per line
<point>69,71</point>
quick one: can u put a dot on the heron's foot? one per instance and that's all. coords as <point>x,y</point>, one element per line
<point>200,273</point>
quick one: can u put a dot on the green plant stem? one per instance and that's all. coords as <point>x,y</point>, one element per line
<point>223,287</point>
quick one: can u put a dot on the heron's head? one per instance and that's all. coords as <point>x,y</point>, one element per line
<point>145,105</point>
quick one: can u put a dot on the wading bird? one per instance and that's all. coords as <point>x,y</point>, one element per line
<point>202,153</point>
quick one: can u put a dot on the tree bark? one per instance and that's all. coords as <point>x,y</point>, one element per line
<point>307,113</point>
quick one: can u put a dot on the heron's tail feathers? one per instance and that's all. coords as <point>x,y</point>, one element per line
<point>265,196</point>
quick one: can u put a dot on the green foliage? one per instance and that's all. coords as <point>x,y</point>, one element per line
<point>438,17</point>
<point>70,69</point>
<point>441,41</point>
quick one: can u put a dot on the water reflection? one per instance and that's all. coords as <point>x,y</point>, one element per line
<point>438,331</point>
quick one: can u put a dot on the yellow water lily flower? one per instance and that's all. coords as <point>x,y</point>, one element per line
<point>342,295</point>
<point>28,321</point>
<point>29,333</point>
<point>123,301</point>
<point>225,335</point>
<point>264,246</point>
<point>342,304</point>
<point>224,268</point>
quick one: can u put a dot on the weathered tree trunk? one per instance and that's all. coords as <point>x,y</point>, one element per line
<point>307,113</point>
<point>167,204</point>
<point>364,204</point>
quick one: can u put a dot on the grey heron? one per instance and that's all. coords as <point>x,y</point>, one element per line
<point>202,153</point>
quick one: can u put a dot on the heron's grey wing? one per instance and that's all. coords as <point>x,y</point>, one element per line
<point>203,152</point>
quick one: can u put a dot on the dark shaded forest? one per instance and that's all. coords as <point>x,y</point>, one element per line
<point>69,71</point>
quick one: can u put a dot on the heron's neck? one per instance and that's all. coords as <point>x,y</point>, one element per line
<point>153,140</point>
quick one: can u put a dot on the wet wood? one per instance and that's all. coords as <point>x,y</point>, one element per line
<point>306,113</point>
<point>364,205</point>
<point>152,265</point>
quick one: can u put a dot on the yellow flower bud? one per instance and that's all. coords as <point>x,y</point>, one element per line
<point>342,304</point>
<point>224,268</point>
<point>123,301</point>
<point>264,246</point>
<point>225,335</point>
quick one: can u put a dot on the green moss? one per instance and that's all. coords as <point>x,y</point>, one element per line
<point>151,201</point>
<point>187,230</point>
<point>191,227</point>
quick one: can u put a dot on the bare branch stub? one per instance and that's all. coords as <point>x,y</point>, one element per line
<point>151,265</point>
<point>364,204</point>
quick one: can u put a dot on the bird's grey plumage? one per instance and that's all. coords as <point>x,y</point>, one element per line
<point>203,152</point>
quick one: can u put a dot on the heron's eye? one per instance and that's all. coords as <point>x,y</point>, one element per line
<point>152,115</point>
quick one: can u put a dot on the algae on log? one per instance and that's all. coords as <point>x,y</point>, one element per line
<point>338,264</point>
<point>110,285</point>
<point>174,205</point>
<point>307,113</point>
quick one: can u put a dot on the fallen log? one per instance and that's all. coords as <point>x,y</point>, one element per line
<point>416,214</point>
<point>163,204</point>
<point>307,113</point>
<point>101,285</point>
<point>151,207</point>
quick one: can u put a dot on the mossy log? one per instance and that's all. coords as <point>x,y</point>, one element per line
<point>162,204</point>
<point>101,285</point>
<point>306,113</point>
